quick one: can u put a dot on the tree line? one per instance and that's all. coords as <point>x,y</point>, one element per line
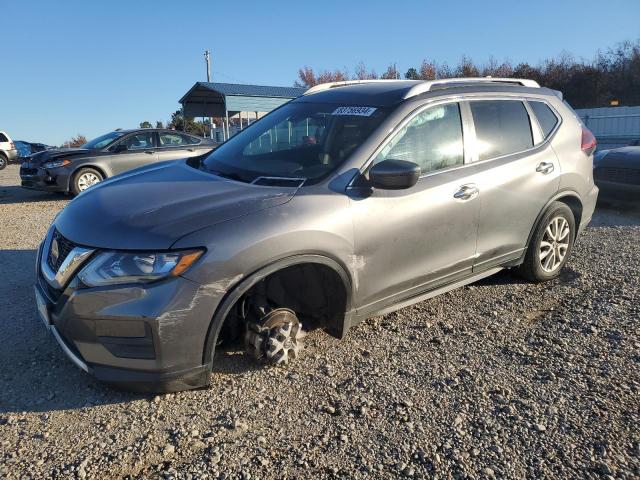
<point>612,75</point>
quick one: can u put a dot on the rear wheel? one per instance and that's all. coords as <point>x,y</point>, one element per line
<point>3,161</point>
<point>550,245</point>
<point>85,178</point>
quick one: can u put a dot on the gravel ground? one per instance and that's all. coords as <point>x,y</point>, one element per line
<point>498,379</point>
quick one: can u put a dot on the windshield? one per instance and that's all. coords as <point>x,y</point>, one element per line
<point>102,141</point>
<point>299,140</point>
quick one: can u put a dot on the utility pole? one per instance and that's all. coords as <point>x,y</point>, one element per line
<point>207,59</point>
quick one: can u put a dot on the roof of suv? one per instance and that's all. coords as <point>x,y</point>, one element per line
<point>382,93</point>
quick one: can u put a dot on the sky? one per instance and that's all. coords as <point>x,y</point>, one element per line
<point>84,67</point>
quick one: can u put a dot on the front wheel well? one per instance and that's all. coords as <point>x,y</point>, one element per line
<point>314,291</point>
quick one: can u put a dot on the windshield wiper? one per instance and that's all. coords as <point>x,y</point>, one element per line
<point>283,181</point>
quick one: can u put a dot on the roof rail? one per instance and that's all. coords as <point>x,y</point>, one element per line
<point>428,85</point>
<point>326,86</point>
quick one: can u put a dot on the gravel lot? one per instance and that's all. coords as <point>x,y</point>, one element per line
<point>498,379</point>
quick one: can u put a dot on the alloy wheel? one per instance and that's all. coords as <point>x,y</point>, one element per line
<point>554,244</point>
<point>87,180</point>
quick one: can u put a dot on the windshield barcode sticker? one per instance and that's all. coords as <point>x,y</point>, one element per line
<point>360,111</point>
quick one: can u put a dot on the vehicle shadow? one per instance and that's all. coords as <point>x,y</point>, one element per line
<point>10,194</point>
<point>36,376</point>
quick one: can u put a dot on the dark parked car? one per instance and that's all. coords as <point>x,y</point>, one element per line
<point>76,169</point>
<point>617,173</point>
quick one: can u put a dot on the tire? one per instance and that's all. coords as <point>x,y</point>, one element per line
<point>3,162</point>
<point>85,178</point>
<point>550,245</point>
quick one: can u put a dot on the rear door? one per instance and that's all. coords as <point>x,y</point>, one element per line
<point>175,145</point>
<point>518,172</point>
<point>141,151</point>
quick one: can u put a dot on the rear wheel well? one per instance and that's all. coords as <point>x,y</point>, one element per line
<point>314,291</point>
<point>575,205</point>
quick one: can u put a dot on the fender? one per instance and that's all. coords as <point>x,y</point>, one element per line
<point>567,192</point>
<point>243,286</point>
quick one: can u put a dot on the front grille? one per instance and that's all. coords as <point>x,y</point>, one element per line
<point>28,171</point>
<point>628,176</point>
<point>64,247</point>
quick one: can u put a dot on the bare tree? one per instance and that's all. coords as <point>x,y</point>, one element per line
<point>76,141</point>
<point>391,72</point>
<point>361,73</point>
<point>428,70</point>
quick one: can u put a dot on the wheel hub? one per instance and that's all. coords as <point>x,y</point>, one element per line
<point>276,337</point>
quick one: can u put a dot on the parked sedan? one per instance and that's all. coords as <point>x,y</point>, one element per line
<point>75,170</point>
<point>617,173</point>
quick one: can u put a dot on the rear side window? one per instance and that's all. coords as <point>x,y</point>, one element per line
<point>502,127</point>
<point>3,138</point>
<point>177,139</point>
<point>546,118</point>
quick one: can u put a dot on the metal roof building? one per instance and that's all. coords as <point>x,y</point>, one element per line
<point>209,99</point>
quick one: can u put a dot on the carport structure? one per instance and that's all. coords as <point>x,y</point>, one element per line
<point>209,99</point>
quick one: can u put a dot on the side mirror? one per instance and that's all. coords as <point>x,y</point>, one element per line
<point>394,175</point>
<point>121,147</point>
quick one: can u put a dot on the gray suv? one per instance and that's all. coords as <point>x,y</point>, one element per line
<point>354,200</point>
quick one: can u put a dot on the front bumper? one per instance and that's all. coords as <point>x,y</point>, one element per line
<point>49,180</point>
<point>141,337</point>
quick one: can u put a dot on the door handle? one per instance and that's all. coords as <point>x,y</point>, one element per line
<point>545,167</point>
<point>191,149</point>
<point>150,152</point>
<point>467,192</point>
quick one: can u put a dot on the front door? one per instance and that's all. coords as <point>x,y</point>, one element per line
<point>140,151</point>
<point>409,241</point>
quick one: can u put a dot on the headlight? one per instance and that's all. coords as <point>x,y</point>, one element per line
<point>56,163</point>
<point>110,268</point>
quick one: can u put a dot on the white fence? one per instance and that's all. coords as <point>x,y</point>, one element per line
<point>612,126</point>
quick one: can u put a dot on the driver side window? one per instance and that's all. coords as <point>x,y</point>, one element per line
<point>432,140</point>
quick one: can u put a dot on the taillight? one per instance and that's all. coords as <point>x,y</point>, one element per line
<point>589,141</point>
<point>12,146</point>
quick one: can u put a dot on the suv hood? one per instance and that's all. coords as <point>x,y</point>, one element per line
<point>37,159</point>
<point>152,207</point>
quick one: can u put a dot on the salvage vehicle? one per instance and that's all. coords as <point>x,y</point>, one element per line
<point>8,151</point>
<point>28,148</point>
<point>617,173</point>
<point>73,170</point>
<point>353,200</point>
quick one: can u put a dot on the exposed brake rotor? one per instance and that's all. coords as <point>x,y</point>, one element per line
<point>276,337</point>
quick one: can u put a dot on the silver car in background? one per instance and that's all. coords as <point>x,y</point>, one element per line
<point>353,200</point>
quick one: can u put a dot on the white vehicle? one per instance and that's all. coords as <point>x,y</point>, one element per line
<point>8,150</point>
